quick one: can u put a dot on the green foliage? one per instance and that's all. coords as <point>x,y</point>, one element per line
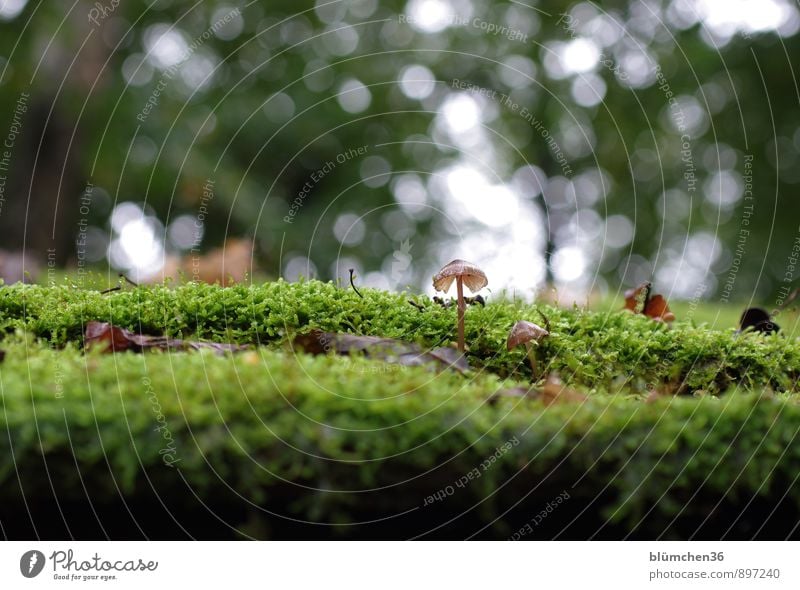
<point>608,351</point>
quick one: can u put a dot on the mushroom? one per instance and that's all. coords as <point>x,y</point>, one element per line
<point>463,273</point>
<point>530,335</point>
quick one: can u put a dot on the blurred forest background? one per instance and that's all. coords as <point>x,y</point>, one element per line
<point>577,145</point>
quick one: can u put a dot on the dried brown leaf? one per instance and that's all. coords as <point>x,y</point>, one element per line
<point>640,300</point>
<point>116,339</point>
<point>387,350</point>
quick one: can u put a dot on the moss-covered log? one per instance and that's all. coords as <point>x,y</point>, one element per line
<point>270,443</point>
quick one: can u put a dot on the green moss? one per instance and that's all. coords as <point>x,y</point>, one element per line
<point>344,440</point>
<point>268,424</point>
<point>600,350</point>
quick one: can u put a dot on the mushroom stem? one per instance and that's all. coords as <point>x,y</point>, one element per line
<point>462,306</point>
<point>532,359</point>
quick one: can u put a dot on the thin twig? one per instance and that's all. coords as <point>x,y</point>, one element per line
<point>352,284</point>
<point>119,287</point>
<point>417,305</point>
<point>127,280</point>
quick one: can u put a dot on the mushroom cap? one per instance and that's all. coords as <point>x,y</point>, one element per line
<point>473,277</point>
<point>524,332</point>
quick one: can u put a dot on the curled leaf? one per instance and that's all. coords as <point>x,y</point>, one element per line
<point>641,300</point>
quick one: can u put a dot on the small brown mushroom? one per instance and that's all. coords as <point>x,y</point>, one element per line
<point>530,335</point>
<point>463,273</point>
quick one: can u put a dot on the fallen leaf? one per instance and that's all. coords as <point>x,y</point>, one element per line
<point>387,350</point>
<point>118,339</point>
<point>640,300</point>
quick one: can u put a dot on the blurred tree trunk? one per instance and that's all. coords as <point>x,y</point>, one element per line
<point>37,215</point>
<point>46,179</point>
